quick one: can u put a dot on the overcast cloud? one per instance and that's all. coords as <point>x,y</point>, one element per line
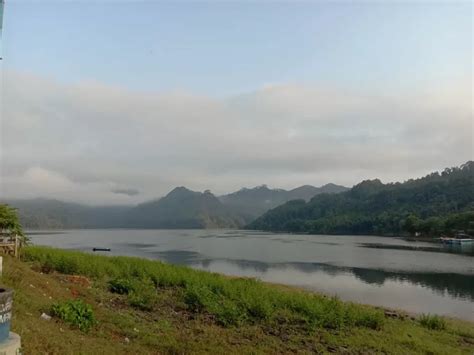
<point>100,144</point>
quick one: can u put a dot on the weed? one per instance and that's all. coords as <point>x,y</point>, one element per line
<point>432,322</point>
<point>76,313</point>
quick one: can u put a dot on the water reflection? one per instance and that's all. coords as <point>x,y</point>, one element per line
<point>467,249</point>
<point>456,285</point>
<point>183,257</point>
<point>460,249</point>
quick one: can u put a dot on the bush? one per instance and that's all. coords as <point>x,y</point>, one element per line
<point>432,322</point>
<point>76,313</point>
<point>142,295</point>
<point>121,286</point>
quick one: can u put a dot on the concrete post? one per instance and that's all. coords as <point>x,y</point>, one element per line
<point>11,346</point>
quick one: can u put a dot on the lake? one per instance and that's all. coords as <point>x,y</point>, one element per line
<point>417,277</point>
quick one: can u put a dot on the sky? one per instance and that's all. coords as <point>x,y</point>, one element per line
<point>117,102</point>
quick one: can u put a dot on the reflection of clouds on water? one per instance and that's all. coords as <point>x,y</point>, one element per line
<point>456,285</point>
<point>137,245</point>
<point>326,243</point>
<point>184,257</point>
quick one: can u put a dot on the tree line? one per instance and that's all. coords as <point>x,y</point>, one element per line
<point>437,204</point>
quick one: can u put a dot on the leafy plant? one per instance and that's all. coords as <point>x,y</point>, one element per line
<point>10,223</point>
<point>76,313</point>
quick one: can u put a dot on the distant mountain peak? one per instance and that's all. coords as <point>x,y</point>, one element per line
<point>180,190</point>
<point>369,183</point>
<point>330,185</point>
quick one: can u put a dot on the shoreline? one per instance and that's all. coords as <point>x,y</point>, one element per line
<point>309,278</point>
<point>176,309</point>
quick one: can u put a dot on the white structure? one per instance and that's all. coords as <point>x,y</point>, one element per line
<point>12,346</point>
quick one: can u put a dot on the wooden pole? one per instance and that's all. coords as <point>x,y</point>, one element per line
<point>16,245</point>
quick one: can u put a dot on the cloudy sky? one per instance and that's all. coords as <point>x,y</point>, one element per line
<point>119,102</point>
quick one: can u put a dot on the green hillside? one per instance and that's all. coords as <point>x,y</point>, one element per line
<point>435,204</point>
<point>252,203</point>
<point>183,208</point>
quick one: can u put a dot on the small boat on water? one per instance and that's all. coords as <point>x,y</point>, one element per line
<point>459,239</point>
<point>100,249</point>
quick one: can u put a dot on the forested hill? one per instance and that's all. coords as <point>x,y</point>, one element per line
<point>252,203</point>
<point>183,208</point>
<point>435,204</point>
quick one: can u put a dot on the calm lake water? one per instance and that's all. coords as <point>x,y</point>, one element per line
<point>413,276</point>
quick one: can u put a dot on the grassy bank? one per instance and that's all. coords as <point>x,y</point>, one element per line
<point>137,305</point>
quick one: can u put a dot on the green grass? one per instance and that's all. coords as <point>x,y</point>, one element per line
<point>162,308</point>
<point>231,301</point>
<point>433,322</point>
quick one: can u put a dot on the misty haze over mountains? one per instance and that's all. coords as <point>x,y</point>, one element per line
<point>181,208</point>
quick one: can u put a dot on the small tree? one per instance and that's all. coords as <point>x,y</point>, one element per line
<point>9,222</point>
<point>412,224</point>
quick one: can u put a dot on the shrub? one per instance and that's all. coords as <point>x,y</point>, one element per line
<point>432,322</point>
<point>198,298</point>
<point>142,295</point>
<point>76,313</point>
<point>228,313</point>
<point>121,286</point>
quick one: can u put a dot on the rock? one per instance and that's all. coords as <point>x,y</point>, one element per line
<point>45,316</point>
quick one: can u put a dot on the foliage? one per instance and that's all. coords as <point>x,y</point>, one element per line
<point>143,295</point>
<point>10,223</point>
<point>232,302</point>
<point>76,313</point>
<point>432,322</point>
<point>121,286</point>
<point>433,205</point>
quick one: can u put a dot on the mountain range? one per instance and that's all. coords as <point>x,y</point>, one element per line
<point>180,208</point>
<point>251,203</point>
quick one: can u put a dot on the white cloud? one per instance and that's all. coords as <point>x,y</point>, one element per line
<point>80,142</point>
